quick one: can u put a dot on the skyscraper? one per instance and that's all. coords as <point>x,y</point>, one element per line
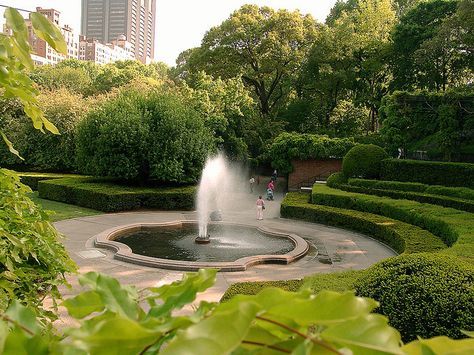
<point>107,20</point>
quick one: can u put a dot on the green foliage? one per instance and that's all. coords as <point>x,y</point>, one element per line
<point>252,288</point>
<point>142,136</point>
<point>31,179</point>
<point>439,123</point>
<point>32,259</point>
<point>363,160</point>
<point>15,60</point>
<point>336,179</point>
<point>289,146</point>
<point>427,172</point>
<point>65,110</point>
<point>402,237</point>
<point>334,281</point>
<point>423,294</point>
<point>454,227</point>
<point>112,196</point>
<point>109,319</point>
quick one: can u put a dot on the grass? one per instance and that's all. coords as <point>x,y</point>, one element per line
<point>61,211</point>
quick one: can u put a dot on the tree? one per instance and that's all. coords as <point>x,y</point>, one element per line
<point>413,39</point>
<point>261,46</point>
<point>76,80</point>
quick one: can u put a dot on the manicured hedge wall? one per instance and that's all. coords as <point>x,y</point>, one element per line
<point>402,237</point>
<point>32,179</point>
<point>427,172</point>
<point>463,205</point>
<point>103,195</point>
<point>455,228</point>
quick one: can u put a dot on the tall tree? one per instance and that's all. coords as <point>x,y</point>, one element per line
<point>413,39</point>
<point>262,46</point>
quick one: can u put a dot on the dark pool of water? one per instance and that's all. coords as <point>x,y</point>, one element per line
<point>228,243</point>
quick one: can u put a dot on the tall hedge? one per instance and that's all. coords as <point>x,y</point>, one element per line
<point>137,136</point>
<point>302,146</point>
<point>427,172</point>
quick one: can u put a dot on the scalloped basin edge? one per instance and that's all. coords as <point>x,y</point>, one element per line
<point>125,253</point>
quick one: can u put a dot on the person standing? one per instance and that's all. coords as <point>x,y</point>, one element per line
<point>251,182</point>
<point>274,176</point>
<point>260,208</point>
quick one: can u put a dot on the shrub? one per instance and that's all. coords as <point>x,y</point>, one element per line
<point>105,195</point>
<point>422,294</point>
<point>402,237</point>
<point>428,172</point>
<point>336,179</point>
<point>364,160</point>
<point>32,260</point>
<point>144,136</point>
<point>31,179</point>
<point>252,288</point>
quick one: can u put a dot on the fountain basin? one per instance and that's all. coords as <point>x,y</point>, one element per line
<point>108,239</point>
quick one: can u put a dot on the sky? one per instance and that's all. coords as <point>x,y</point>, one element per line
<point>180,24</point>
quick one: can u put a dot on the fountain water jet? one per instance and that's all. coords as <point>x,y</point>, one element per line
<point>214,180</point>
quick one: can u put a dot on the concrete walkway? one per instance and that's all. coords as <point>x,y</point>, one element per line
<point>332,249</point>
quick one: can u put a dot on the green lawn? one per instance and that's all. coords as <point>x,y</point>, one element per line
<point>61,210</point>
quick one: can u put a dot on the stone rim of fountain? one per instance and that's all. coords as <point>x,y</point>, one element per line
<point>123,252</point>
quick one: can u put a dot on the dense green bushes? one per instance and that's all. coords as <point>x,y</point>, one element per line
<point>252,288</point>
<point>402,237</point>
<point>427,172</point>
<point>31,179</point>
<point>336,179</point>
<point>32,259</point>
<point>144,136</point>
<point>363,160</point>
<point>422,294</point>
<point>289,146</point>
<point>105,195</point>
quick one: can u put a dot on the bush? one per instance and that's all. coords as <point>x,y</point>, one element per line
<point>47,151</point>
<point>336,179</point>
<point>301,146</point>
<point>252,288</point>
<point>107,196</point>
<point>32,259</point>
<point>402,237</point>
<point>140,137</point>
<point>428,172</point>
<point>31,179</point>
<point>364,160</point>
<point>422,294</point>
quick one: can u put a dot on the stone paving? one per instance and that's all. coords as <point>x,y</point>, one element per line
<point>332,249</point>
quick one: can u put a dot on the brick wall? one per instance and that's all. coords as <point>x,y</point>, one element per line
<point>304,170</point>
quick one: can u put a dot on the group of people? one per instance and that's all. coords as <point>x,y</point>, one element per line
<point>270,194</point>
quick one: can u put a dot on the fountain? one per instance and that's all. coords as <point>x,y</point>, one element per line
<point>212,187</point>
<point>173,245</point>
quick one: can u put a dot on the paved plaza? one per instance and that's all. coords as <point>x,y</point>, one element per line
<point>332,249</point>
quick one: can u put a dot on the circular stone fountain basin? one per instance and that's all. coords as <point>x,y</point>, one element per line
<point>171,245</point>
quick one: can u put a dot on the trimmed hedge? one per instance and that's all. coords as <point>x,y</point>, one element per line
<point>463,205</point>
<point>428,172</point>
<point>402,237</point>
<point>31,179</point>
<point>336,179</point>
<point>252,288</point>
<point>423,295</point>
<point>104,195</point>
<point>456,192</point>
<point>454,227</point>
<point>363,160</point>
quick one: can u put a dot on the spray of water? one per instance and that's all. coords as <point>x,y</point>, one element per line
<point>219,181</point>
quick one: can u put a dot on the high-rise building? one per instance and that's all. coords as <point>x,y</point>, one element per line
<point>107,20</point>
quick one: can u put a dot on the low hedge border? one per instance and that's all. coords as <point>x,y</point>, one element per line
<point>104,195</point>
<point>454,227</point>
<point>252,288</point>
<point>428,172</point>
<point>463,193</point>
<point>402,237</point>
<point>463,205</point>
<point>31,179</point>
